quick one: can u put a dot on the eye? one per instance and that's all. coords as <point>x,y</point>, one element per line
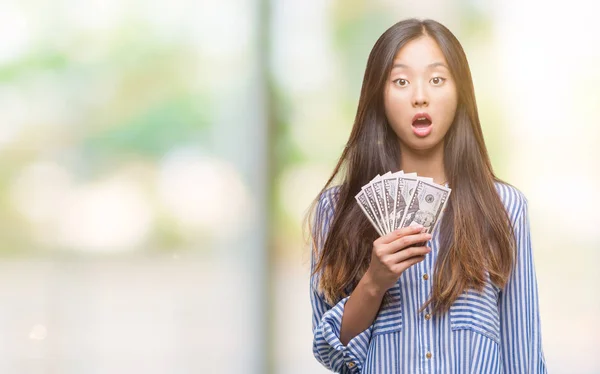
<point>401,82</point>
<point>437,81</point>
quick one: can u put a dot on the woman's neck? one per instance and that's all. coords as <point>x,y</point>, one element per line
<point>428,163</point>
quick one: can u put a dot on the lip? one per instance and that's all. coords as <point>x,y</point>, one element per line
<point>423,114</point>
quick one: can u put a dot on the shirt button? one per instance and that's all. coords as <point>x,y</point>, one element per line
<point>351,365</point>
<point>427,316</point>
<point>428,355</point>
<point>425,276</point>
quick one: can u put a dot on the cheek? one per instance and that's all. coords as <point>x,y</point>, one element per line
<point>448,109</point>
<point>396,105</point>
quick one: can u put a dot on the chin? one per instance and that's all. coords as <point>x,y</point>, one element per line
<point>423,144</point>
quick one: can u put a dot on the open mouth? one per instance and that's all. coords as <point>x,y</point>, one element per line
<point>421,124</point>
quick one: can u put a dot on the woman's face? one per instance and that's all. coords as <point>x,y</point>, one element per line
<point>420,95</point>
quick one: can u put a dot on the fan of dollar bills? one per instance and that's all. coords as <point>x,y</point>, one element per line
<point>396,200</point>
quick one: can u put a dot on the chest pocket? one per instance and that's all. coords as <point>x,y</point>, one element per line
<point>389,317</point>
<point>478,312</point>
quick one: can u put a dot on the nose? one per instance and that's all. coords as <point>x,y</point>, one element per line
<point>420,96</point>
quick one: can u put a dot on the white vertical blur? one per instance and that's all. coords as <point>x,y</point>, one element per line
<point>549,80</point>
<point>97,297</point>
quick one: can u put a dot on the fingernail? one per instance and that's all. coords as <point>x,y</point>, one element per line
<point>419,226</point>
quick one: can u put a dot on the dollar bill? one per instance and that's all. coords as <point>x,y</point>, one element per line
<point>426,205</point>
<point>390,184</point>
<point>377,184</point>
<point>370,195</point>
<point>363,203</point>
<point>410,182</point>
<point>400,202</point>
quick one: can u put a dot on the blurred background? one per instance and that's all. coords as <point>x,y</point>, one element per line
<point>157,159</point>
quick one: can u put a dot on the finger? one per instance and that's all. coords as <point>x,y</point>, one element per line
<point>390,237</point>
<point>408,253</point>
<point>407,241</point>
<point>401,267</point>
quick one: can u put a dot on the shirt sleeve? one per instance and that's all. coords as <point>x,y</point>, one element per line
<point>521,336</point>
<point>327,319</point>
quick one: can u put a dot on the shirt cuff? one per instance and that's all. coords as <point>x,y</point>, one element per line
<point>355,353</point>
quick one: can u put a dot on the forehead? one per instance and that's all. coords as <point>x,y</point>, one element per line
<point>420,53</point>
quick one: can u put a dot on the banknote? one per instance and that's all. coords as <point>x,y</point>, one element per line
<point>390,184</point>
<point>394,200</point>
<point>370,195</point>
<point>377,184</point>
<point>400,202</point>
<point>410,182</point>
<point>426,205</point>
<point>363,203</point>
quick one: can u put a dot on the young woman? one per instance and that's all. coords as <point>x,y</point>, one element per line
<point>467,301</point>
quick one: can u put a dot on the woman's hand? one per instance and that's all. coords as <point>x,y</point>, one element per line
<point>392,254</point>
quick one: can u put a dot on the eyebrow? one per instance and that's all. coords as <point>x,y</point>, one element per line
<point>430,66</point>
